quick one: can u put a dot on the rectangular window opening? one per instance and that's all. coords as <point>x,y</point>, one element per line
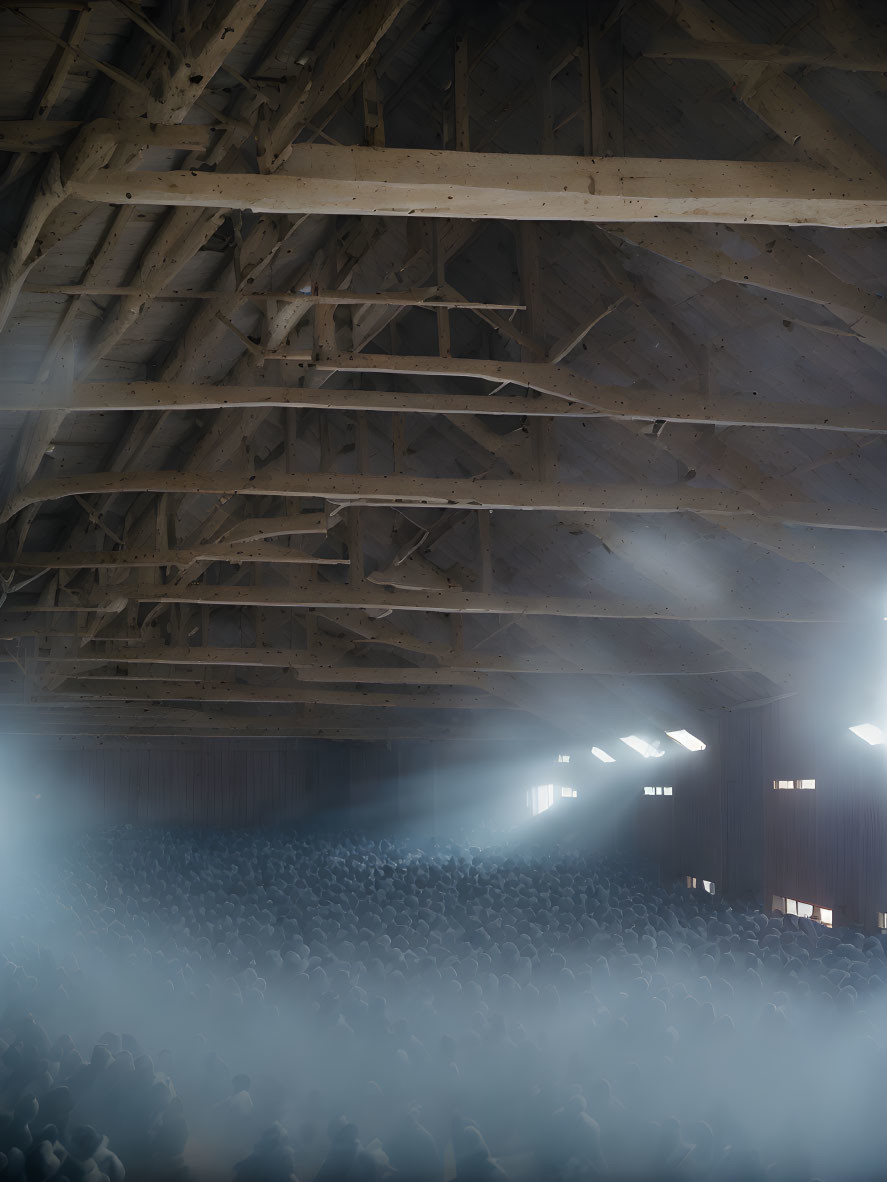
<point>541,798</point>
<point>823,915</point>
<point>785,785</point>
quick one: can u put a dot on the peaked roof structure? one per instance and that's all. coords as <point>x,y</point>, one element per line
<point>406,368</point>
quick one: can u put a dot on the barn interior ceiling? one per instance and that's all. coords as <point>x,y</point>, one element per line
<point>411,368</point>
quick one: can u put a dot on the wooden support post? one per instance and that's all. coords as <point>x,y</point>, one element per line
<point>484,523</point>
<point>544,448</point>
<point>443,314</point>
<point>593,116</point>
<point>355,547</point>
<point>531,285</point>
<point>546,106</point>
<point>457,633</point>
<point>398,442</point>
<point>373,117</point>
<point>326,451</point>
<point>460,93</point>
<point>362,442</point>
<point>324,314</point>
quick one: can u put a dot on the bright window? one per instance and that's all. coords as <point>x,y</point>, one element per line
<point>563,759</point>
<point>800,784</point>
<point>788,906</point>
<point>541,798</point>
<point>569,792</point>
<point>657,790</point>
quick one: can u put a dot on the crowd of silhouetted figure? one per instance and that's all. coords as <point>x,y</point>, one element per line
<point>266,1007</point>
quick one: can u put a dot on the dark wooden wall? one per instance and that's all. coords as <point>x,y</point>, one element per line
<point>725,822</point>
<point>229,782</point>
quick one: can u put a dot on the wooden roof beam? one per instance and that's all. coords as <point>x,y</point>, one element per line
<point>403,182</point>
<point>429,297</point>
<point>318,667</point>
<point>370,597</point>
<point>440,492</point>
<point>232,553</point>
<point>568,395</point>
<point>747,52</point>
<point>83,690</point>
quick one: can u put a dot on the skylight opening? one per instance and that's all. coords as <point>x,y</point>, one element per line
<point>686,740</point>
<point>600,754</point>
<point>636,743</point>
<point>869,733</point>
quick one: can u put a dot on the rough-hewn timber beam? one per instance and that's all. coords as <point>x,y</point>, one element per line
<point>76,690</point>
<point>372,598</point>
<point>156,723</point>
<point>586,399</point>
<point>747,52</point>
<point>429,297</point>
<point>404,182</point>
<point>45,135</point>
<point>216,552</point>
<point>313,667</point>
<point>437,492</point>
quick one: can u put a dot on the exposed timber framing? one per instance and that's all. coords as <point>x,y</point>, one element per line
<point>440,492</point>
<point>317,666</point>
<point>400,182</point>
<point>233,552</point>
<point>370,597</point>
<point>746,52</point>
<point>563,394</point>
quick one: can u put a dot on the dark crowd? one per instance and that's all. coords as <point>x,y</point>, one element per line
<point>264,1007</point>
